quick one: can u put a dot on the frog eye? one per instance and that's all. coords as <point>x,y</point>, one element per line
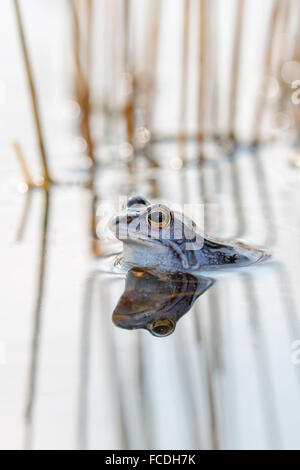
<point>163,327</point>
<point>159,217</point>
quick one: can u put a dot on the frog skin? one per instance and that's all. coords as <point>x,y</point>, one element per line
<point>155,300</point>
<point>153,236</point>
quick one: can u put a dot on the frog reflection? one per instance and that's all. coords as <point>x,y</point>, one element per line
<point>156,301</point>
<point>154,236</point>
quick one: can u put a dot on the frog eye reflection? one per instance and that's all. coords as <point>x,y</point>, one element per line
<point>159,218</point>
<point>163,327</point>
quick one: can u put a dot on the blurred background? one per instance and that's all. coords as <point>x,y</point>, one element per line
<point>186,101</point>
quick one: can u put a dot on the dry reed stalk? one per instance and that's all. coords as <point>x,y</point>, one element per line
<point>114,57</point>
<point>82,18</point>
<point>296,52</point>
<point>23,165</point>
<point>82,55</point>
<point>126,26</point>
<point>96,247</point>
<point>235,71</point>
<point>284,54</point>
<point>202,76</point>
<point>214,67</point>
<point>283,27</point>
<point>24,216</point>
<point>89,38</point>
<point>151,54</point>
<point>267,66</point>
<point>82,72</point>
<point>129,119</point>
<point>33,95</point>
<point>184,80</point>
<point>128,67</point>
<point>296,57</point>
<point>281,53</point>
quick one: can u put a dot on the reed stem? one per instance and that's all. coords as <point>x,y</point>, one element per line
<point>23,165</point>
<point>267,67</point>
<point>33,95</point>
<point>235,71</point>
<point>82,77</point>
<point>202,76</point>
<point>184,79</point>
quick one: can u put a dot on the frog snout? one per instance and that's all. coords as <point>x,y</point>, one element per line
<point>123,219</point>
<point>119,223</point>
<point>113,223</point>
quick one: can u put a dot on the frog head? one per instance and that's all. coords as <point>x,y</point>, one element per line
<point>156,236</point>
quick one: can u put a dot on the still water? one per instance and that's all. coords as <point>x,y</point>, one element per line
<point>227,377</point>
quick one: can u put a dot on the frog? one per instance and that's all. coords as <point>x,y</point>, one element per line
<point>154,300</point>
<point>155,236</point>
